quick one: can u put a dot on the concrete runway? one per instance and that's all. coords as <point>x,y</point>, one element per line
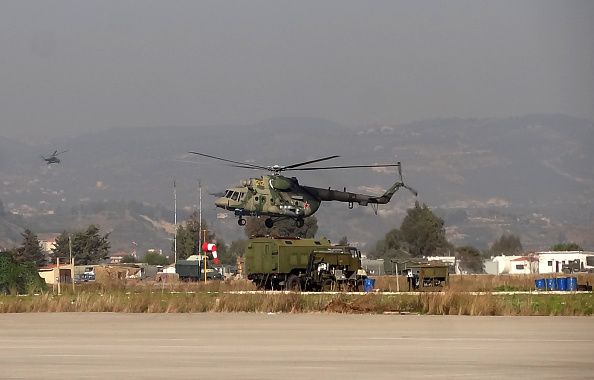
<point>293,346</point>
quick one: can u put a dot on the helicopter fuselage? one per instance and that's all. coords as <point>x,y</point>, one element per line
<point>52,160</point>
<point>274,196</point>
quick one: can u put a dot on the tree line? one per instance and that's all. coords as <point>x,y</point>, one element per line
<point>422,233</point>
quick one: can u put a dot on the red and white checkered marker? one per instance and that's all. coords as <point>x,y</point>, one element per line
<point>212,248</point>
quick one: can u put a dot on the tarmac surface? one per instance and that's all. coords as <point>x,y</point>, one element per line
<point>293,346</point>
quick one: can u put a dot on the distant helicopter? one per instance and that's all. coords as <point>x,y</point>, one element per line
<point>53,158</point>
<point>279,197</point>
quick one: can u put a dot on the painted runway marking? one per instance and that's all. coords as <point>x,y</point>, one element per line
<point>485,340</point>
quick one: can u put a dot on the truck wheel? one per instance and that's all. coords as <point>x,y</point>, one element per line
<point>269,223</point>
<point>299,222</point>
<point>293,283</point>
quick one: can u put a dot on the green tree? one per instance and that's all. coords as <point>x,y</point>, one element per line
<point>30,251</point>
<point>566,247</point>
<point>470,259</point>
<point>392,246</point>
<point>237,249</point>
<point>284,227</point>
<point>89,246</point>
<point>155,258</point>
<point>61,248</point>
<point>423,232</point>
<point>188,236</point>
<point>18,278</point>
<point>128,259</point>
<point>507,244</point>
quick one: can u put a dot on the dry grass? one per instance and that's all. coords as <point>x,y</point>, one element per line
<point>445,303</point>
<point>178,297</point>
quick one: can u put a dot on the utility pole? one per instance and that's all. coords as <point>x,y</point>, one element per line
<point>71,261</point>
<point>199,216</point>
<point>70,247</point>
<point>58,267</point>
<point>174,223</point>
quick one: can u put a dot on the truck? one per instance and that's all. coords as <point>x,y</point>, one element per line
<point>282,263</point>
<point>192,270</point>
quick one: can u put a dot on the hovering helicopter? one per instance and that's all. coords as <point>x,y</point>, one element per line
<point>279,197</point>
<point>53,158</point>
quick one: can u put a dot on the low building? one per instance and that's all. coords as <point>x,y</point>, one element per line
<point>523,265</point>
<point>542,262</point>
<point>555,261</point>
<point>502,264</point>
<point>53,273</point>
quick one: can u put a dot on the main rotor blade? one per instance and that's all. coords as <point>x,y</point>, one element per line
<point>64,151</point>
<point>350,167</point>
<point>246,167</point>
<point>309,162</point>
<point>231,161</point>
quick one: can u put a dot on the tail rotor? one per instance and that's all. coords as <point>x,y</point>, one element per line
<point>402,184</point>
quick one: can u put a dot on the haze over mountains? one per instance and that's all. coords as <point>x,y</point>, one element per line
<point>531,175</point>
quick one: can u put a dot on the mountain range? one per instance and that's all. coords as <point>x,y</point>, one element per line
<point>530,175</point>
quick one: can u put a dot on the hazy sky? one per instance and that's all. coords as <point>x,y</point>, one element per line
<point>79,66</point>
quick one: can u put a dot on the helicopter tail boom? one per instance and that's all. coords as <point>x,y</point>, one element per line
<point>348,197</point>
<point>361,199</point>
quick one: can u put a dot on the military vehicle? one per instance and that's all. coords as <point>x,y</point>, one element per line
<point>279,197</point>
<point>53,158</point>
<point>192,271</point>
<point>426,276</point>
<point>302,264</point>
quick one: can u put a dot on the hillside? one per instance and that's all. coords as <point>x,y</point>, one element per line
<point>530,175</point>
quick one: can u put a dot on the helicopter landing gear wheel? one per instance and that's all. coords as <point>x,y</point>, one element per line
<point>241,221</point>
<point>269,223</point>
<point>299,222</point>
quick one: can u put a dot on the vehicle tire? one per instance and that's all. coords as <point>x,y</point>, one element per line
<point>269,223</point>
<point>241,222</point>
<point>299,222</point>
<point>293,283</point>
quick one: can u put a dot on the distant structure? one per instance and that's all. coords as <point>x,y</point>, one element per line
<point>542,263</point>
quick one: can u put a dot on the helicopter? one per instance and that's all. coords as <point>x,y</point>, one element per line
<point>279,197</point>
<point>53,158</point>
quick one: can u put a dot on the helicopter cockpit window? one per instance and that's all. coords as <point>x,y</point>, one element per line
<point>228,193</point>
<point>235,196</point>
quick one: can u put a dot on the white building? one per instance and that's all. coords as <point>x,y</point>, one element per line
<point>552,261</point>
<point>512,265</point>
<point>524,265</point>
<point>539,262</point>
